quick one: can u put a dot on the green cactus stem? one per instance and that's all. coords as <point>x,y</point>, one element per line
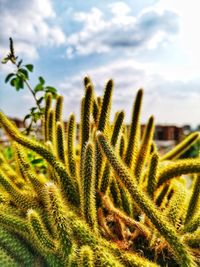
<point>103,126</point>
<point>144,150</point>
<point>178,168</point>
<point>39,232</point>
<point>88,187</point>
<point>23,201</point>
<point>58,108</point>
<point>182,147</point>
<point>192,225</point>
<point>181,252</point>
<point>6,260</point>
<point>134,135</point>
<point>51,125</point>
<point>14,223</point>
<point>105,182</point>
<point>46,112</point>
<point>57,211</point>
<point>71,130</point>
<point>85,115</point>
<point>152,175</point>
<point>59,140</point>
<point>16,248</point>
<point>176,205</point>
<point>161,197</point>
<point>195,197</point>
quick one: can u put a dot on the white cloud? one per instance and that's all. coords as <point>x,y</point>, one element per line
<point>120,29</point>
<point>189,41</point>
<point>171,101</point>
<point>31,24</point>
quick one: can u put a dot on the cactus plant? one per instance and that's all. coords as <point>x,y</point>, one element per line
<point>106,199</point>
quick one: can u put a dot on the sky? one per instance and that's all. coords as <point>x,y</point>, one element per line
<point>150,44</point>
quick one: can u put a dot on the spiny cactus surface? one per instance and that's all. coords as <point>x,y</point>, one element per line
<point>107,198</point>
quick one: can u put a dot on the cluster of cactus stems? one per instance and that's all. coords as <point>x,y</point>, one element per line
<point>106,199</point>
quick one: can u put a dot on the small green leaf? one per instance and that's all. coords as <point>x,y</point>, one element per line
<point>38,87</point>
<point>29,67</point>
<point>9,76</point>
<point>23,73</point>
<point>42,81</point>
<point>27,117</point>
<point>12,82</point>
<point>19,63</point>
<point>19,83</point>
<point>5,60</point>
<point>33,109</point>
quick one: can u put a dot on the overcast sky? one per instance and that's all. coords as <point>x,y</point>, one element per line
<point>139,43</point>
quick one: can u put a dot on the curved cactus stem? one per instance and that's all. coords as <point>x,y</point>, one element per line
<point>23,201</point>
<point>58,212</point>
<point>178,168</point>
<point>16,248</point>
<point>40,233</point>
<point>182,147</point>
<point>14,224</point>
